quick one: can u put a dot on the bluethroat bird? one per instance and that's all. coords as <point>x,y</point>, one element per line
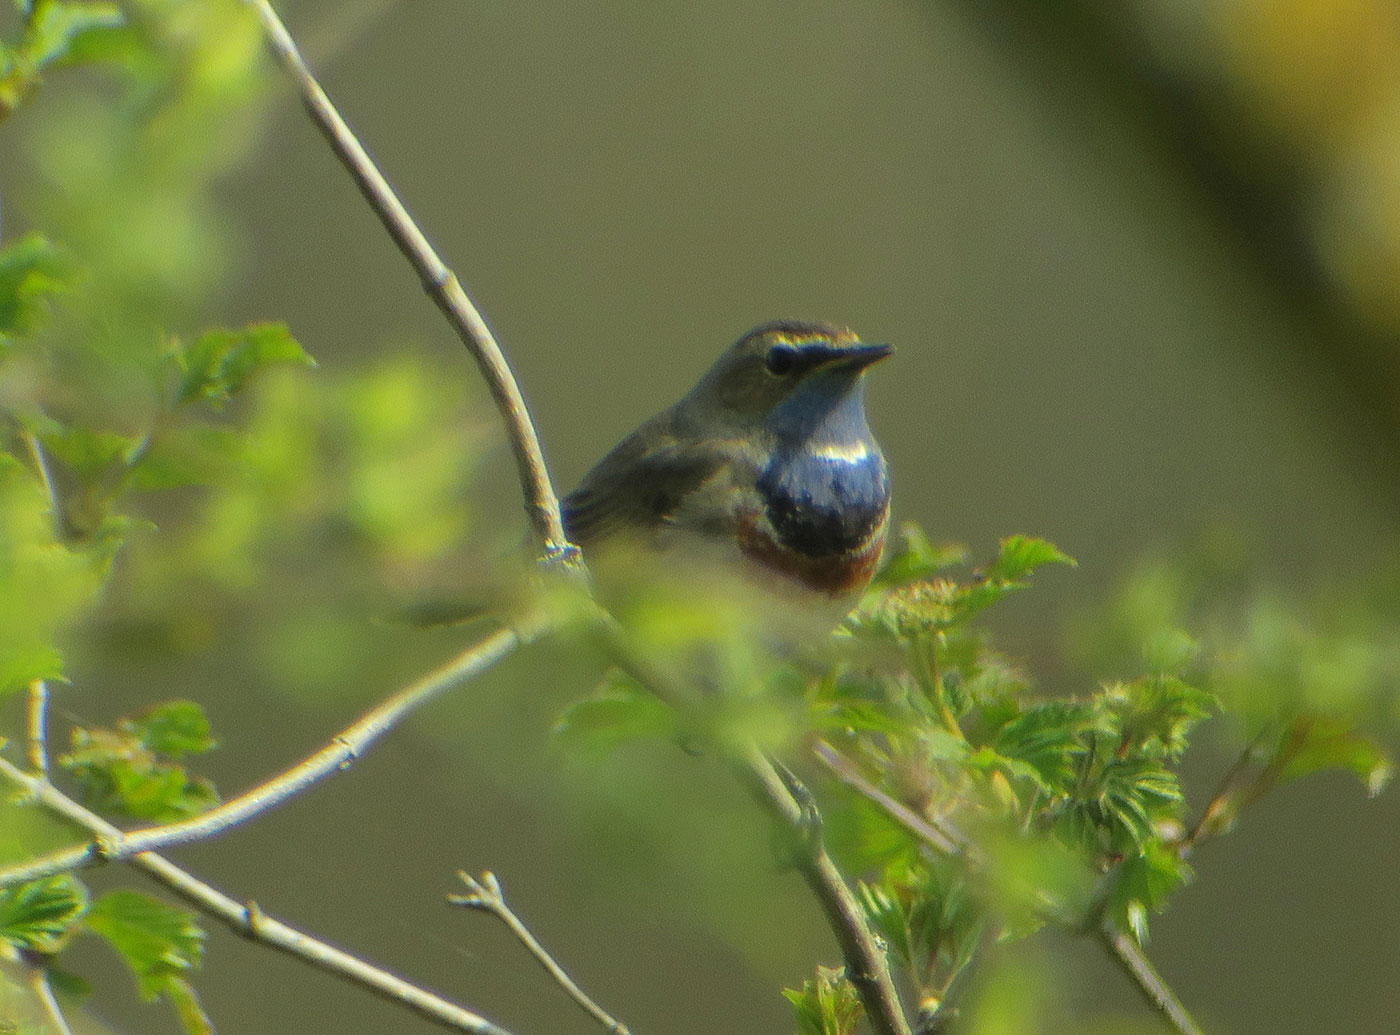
<point>766,469</point>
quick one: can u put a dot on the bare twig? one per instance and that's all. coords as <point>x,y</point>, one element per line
<point>43,991</point>
<point>1129,955</point>
<point>866,964</point>
<point>541,502</point>
<point>335,756</point>
<point>485,893</point>
<point>941,834</point>
<point>250,922</point>
<point>37,717</point>
<point>37,725</point>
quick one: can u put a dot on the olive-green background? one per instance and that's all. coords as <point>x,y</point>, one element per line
<point>1087,351</point>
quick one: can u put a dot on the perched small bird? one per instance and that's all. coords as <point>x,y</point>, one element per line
<point>767,469</point>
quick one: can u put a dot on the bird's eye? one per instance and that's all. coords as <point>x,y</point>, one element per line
<point>781,360</point>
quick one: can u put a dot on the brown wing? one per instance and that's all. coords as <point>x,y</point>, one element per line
<point>636,488</point>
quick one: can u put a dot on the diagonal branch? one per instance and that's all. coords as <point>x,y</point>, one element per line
<point>335,756</point>
<point>247,920</point>
<point>541,502</point>
<point>1129,955</point>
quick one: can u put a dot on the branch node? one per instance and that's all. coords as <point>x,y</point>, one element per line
<point>352,753</point>
<point>104,848</point>
<point>253,918</point>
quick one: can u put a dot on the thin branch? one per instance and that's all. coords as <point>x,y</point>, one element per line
<point>43,991</point>
<point>334,757</point>
<point>541,502</point>
<point>1129,955</point>
<point>37,726</point>
<point>37,717</point>
<point>250,921</point>
<point>866,964</point>
<point>485,894</point>
<point>941,834</point>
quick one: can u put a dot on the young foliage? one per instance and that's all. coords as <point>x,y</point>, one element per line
<point>135,769</point>
<point>162,946</point>
<point>827,1004</point>
<point>38,916</point>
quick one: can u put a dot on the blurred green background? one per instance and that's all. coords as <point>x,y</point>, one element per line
<point>1142,265</point>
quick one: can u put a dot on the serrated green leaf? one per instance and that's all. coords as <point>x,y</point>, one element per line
<point>917,559</point>
<point>126,770</point>
<point>1145,882</point>
<point>175,729</point>
<point>217,364</point>
<point>828,1005</point>
<point>1020,555</point>
<point>157,941</point>
<point>180,993</point>
<point>38,914</point>
<point>1045,736</point>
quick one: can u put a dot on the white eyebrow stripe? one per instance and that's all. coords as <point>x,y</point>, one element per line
<point>853,453</point>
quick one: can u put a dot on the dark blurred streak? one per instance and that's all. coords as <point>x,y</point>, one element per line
<point>1247,183</point>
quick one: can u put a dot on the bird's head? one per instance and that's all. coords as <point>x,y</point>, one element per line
<point>788,376</point>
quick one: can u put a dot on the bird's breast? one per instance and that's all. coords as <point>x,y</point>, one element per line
<point>822,517</point>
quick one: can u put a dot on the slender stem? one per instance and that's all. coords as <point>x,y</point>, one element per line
<point>343,749</point>
<point>1129,955</point>
<point>249,921</point>
<point>941,834</point>
<point>43,991</point>
<point>486,894</point>
<point>541,502</point>
<point>866,965</point>
<point>37,717</point>
<point>37,723</point>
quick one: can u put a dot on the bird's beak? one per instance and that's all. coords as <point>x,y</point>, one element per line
<point>860,355</point>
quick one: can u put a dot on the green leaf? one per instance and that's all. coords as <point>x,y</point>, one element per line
<point>87,452</point>
<point>22,665</point>
<point>1153,714</point>
<point>917,559</point>
<point>127,770</point>
<point>217,364</point>
<point>1145,882</point>
<point>1020,555</point>
<point>32,271</point>
<point>38,914</point>
<point>175,729</point>
<point>1315,744</point>
<point>828,1005</point>
<point>56,24</point>
<point>619,710</point>
<point>1045,736</point>
<point>158,942</point>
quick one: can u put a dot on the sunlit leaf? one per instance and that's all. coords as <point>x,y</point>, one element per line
<point>38,914</point>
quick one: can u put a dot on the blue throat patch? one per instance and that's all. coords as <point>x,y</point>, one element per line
<point>820,505</point>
